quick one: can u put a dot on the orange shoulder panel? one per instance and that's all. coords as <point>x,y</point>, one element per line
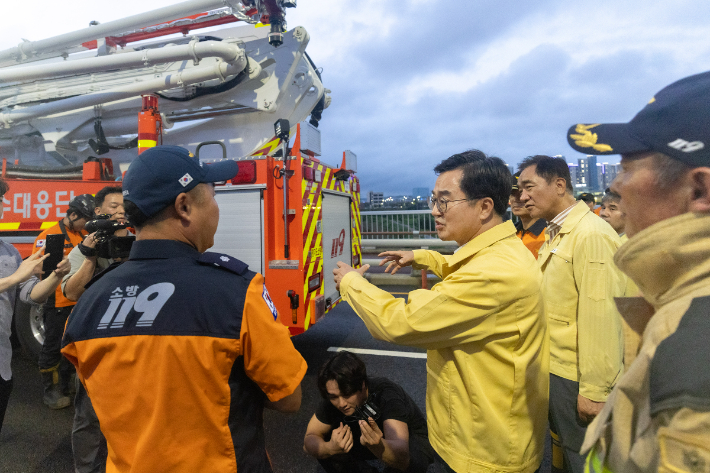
<point>270,359</point>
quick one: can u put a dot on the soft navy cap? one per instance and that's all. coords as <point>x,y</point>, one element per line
<point>156,177</point>
<point>676,122</point>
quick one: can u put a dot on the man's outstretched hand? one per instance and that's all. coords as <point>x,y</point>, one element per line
<point>396,260</point>
<point>342,269</point>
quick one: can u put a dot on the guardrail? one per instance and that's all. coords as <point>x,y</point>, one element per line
<point>375,246</point>
<point>397,224</point>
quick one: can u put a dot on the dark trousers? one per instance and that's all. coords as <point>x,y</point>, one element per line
<point>565,423</point>
<point>421,455</point>
<point>87,441</point>
<point>5,390</point>
<point>55,318</point>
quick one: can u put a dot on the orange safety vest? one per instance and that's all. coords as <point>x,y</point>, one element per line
<point>72,239</point>
<point>533,237</point>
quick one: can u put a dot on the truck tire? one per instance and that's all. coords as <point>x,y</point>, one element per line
<point>29,327</point>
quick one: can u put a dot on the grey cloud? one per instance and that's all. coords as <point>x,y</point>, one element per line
<point>525,110</point>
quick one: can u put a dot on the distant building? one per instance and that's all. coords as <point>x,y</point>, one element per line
<point>573,171</point>
<point>587,173</point>
<point>421,193</point>
<point>610,173</point>
<point>583,180</point>
<point>376,198</point>
<point>600,178</point>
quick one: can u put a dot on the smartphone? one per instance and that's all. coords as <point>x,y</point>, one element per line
<point>54,247</point>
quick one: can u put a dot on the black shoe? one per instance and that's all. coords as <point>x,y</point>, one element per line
<point>53,397</point>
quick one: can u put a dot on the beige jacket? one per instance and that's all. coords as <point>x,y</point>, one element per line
<point>488,350</point>
<point>658,416</point>
<point>580,282</point>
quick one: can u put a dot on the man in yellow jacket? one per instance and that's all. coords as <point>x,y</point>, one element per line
<point>580,282</point>
<point>483,325</point>
<point>658,416</point>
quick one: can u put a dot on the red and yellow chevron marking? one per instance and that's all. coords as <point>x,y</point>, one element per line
<point>356,225</point>
<point>25,226</point>
<point>312,244</point>
<point>268,149</point>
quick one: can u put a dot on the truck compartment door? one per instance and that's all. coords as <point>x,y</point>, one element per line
<point>336,238</point>
<point>241,223</point>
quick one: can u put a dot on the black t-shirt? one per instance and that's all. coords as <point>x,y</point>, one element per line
<point>392,402</point>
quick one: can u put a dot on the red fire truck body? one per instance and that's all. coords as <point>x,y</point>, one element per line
<point>322,210</point>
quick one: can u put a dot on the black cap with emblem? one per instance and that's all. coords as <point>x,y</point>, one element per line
<point>676,122</point>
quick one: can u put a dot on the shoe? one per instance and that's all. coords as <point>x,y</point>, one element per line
<point>68,383</point>
<point>53,396</point>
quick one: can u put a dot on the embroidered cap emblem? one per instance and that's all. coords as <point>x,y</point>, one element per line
<point>185,180</point>
<point>587,139</point>
<point>224,258</point>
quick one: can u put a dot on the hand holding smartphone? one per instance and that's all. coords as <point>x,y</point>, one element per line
<point>54,247</point>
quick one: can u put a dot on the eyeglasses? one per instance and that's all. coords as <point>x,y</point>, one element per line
<point>441,204</point>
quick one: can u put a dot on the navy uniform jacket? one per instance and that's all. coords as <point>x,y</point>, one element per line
<point>178,351</point>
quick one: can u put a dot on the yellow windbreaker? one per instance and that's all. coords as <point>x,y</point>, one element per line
<point>488,349</point>
<point>580,282</point>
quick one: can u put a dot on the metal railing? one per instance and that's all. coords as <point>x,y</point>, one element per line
<point>400,230</point>
<point>397,224</point>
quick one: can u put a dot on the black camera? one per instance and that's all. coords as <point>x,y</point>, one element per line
<point>367,410</point>
<point>108,245</point>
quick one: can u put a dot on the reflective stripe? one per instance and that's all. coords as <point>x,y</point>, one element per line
<point>594,464</point>
<point>558,459</point>
<point>147,143</point>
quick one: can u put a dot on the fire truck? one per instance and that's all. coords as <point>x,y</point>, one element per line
<point>75,109</point>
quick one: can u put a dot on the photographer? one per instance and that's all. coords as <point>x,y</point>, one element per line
<point>87,438</point>
<point>85,264</point>
<point>363,419</point>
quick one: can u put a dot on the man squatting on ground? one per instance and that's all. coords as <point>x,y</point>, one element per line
<point>88,443</point>
<point>363,419</point>
<point>18,280</point>
<point>56,370</point>
<point>181,349</point>
<point>483,325</point>
<point>580,282</point>
<point>658,416</point>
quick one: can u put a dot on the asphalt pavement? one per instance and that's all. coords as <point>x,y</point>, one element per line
<point>35,439</point>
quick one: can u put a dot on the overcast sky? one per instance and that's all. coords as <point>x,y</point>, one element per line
<point>415,81</point>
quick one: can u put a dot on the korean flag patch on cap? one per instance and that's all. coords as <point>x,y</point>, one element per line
<point>270,303</point>
<point>186,179</point>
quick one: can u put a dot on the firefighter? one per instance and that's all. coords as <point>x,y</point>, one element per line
<point>658,416</point>
<point>56,370</point>
<point>180,374</point>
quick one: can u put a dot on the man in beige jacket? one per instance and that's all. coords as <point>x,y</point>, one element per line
<point>658,416</point>
<point>579,284</point>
